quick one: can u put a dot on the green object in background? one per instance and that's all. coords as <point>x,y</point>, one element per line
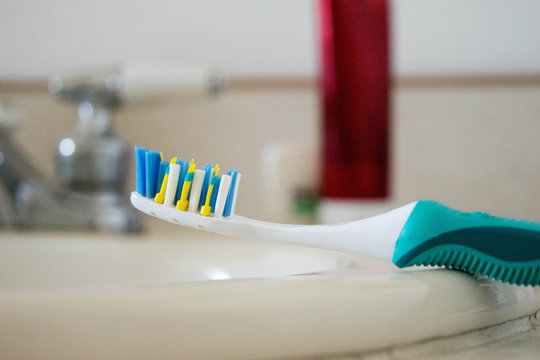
<point>306,202</point>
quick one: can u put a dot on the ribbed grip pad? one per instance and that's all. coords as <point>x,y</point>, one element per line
<point>503,249</point>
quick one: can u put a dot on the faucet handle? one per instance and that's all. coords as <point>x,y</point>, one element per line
<point>136,82</point>
<point>146,81</point>
<point>100,85</point>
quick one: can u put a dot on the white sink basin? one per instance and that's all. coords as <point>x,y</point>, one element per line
<point>84,296</point>
<point>81,261</point>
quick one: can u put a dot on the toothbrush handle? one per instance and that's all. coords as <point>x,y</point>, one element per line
<point>438,235</point>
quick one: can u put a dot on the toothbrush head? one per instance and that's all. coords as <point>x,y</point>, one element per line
<point>181,185</point>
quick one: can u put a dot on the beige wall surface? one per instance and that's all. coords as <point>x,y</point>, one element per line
<point>474,148</point>
<point>260,37</point>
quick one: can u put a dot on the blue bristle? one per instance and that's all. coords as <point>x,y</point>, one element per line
<point>207,170</point>
<point>216,181</point>
<point>163,165</point>
<point>140,170</point>
<point>152,169</point>
<point>230,196</point>
<point>184,165</point>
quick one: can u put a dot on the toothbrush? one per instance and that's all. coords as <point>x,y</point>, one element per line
<point>421,233</point>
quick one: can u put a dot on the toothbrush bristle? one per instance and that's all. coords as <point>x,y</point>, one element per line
<point>183,170</point>
<point>163,165</point>
<point>206,182</point>
<point>152,160</point>
<point>172,181</point>
<point>221,197</point>
<point>140,170</point>
<point>231,193</point>
<point>216,181</point>
<point>180,185</point>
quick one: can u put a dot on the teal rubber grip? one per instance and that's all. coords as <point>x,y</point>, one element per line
<point>476,242</point>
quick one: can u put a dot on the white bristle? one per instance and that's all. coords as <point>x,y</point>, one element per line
<point>172,183</point>
<point>223,191</point>
<point>195,194</point>
<point>235,195</point>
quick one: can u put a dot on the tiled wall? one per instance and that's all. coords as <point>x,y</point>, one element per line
<point>475,148</point>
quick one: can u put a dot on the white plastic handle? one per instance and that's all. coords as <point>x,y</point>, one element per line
<point>147,81</point>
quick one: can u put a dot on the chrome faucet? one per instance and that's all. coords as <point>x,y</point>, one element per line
<point>92,166</point>
<point>92,162</point>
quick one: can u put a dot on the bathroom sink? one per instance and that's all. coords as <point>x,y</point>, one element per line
<point>76,260</point>
<point>176,293</point>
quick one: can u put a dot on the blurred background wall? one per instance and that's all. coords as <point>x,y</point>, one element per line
<point>261,37</point>
<point>465,105</point>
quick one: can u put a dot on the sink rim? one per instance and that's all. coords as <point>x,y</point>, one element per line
<point>342,311</point>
